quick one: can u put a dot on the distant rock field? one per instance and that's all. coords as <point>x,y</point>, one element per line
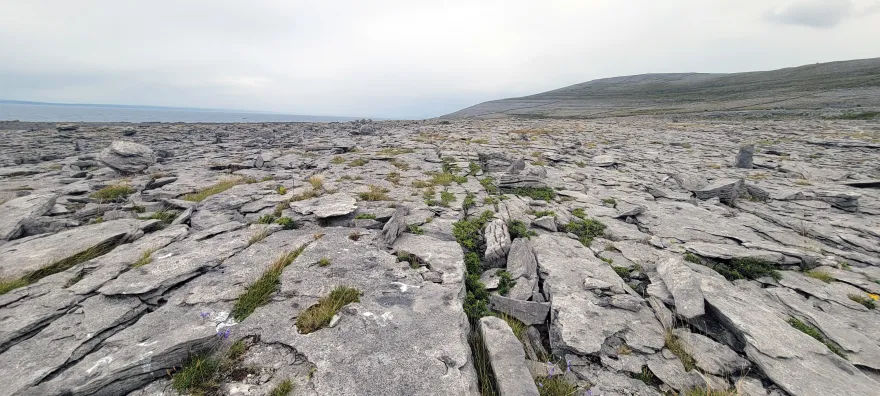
<point>643,255</point>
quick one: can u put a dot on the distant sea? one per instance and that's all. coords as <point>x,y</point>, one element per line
<point>57,112</point>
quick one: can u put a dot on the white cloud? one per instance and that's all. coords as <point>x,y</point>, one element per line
<point>393,58</point>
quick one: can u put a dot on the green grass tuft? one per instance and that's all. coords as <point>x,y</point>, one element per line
<point>358,162</point>
<point>690,257</point>
<point>539,193</point>
<point>283,389</point>
<point>266,219</point>
<point>505,283</point>
<point>197,376</point>
<point>146,258</point>
<point>867,302</point>
<point>675,346</point>
<point>555,386</point>
<point>258,293</point>
<point>323,262</point>
<point>287,223</point>
<point>317,316</point>
<point>217,188</point>
<point>9,285</point>
<point>820,275</point>
<point>113,193</point>
<point>376,193</point>
<point>365,216</point>
<point>586,229</point>
<point>813,332</point>
<point>745,268</point>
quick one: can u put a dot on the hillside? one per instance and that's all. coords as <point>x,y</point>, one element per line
<point>821,89</point>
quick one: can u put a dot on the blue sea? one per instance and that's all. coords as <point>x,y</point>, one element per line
<point>40,112</point>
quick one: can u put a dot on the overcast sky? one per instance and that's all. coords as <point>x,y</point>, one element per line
<point>398,59</point>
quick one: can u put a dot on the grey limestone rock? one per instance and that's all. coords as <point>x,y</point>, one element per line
<point>507,358</point>
<point>127,157</point>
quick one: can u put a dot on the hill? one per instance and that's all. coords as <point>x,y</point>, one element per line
<point>825,89</point>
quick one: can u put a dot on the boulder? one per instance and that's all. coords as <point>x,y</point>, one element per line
<point>507,358</point>
<point>338,204</point>
<point>603,161</point>
<point>528,312</point>
<point>16,212</point>
<point>681,281</point>
<point>546,222</point>
<point>395,225</point>
<point>127,157</point>
<point>727,190</point>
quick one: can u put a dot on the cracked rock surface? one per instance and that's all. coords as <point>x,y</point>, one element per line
<point>625,256</point>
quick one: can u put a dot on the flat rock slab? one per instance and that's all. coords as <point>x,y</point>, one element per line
<point>528,312</point>
<point>684,286</point>
<point>507,358</point>
<point>23,256</point>
<point>338,204</point>
<point>15,212</point>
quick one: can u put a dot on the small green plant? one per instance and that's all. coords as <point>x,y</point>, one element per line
<point>545,213</point>
<point>317,182</point>
<point>690,257</point>
<point>7,285</point>
<point>519,328</point>
<point>820,275</point>
<point>415,229</point>
<point>365,216</point>
<point>358,162</point>
<point>812,332</point>
<point>539,193</point>
<point>283,389</point>
<point>337,160</point>
<point>323,262</point>
<point>505,282</point>
<point>518,229</point>
<point>469,202</point>
<point>113,193</point>
<point>468,233</point>
<point>473,168</point>
<point>488,183</point>
<point>610,202</point>
<point>677,348</point>
<point>145,258</point>
<point>555,385</point>
<point>446,198</point>
<point>197,375</point>
<point>287,223</point>
<point>867,302</point>
<point>281,190</point>
<point>394,178</point>
<point>317,316</point>
<point>376,193</point>
<point>645,376</point>
<point>586,229</point>
<point>579,213</point>
<point>259,292</point>
<point>745,268</point>
<point>402,165</point>
<point>421,184</point>
<point>622,272</point>
<point>217,188</point>
<point>442,179</point>
<point>236,350</point>
<point>266,219</point>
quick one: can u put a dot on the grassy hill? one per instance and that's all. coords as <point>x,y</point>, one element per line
<point>823,89</point>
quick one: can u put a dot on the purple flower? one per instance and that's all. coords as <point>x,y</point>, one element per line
<point>224,334</point>
<point>552,369</point>
<point>568,369</point>
<point>540,385</point>
<point>589,392</point>
<point>204,315</point>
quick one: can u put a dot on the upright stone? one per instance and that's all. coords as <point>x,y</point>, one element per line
<point>727,190</point>
<point>744,157</point>
<point>395,225</point>
<point>507,358</point>
<point>497,243</point>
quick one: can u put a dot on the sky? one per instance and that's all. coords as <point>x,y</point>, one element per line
<point>398,58</point>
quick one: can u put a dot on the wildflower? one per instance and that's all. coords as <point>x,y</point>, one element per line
<point>552,369</point>
<point>589,392</point>
<point>568,363</point>
<point>540,385</point>
<point>874,297</point>
<point>204,315</point>
<point>224,334</point>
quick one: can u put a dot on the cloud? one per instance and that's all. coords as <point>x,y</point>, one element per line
<point>822,14</point>
<point>394,58</point>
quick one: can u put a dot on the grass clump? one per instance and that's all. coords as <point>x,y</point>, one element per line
<point>518,229</point>
<point>337,160</point>
<point>197,375</point>
<point>113,193</point>
<point>399,164</point>
<point>469,202</point>
<point>442,179</point>
<point>485,375</point>
<point>745,268</point>
<point>317,182</point>
<point>446,198</point>
<point>9,285</point>
<point>217,188</point>
<point>358,162</point>
<point>394,178</point>
<point>579,213</point>
<point>586,229</point>
<point>258,293</point>
<point>540,193</point>
<point>505,282</point>
<point>488,183</point>
<point>813,332</point>
<point>266,219</point>
<point>555,386</point>
<point>376,193</point>
<point>145,258</point>
<point>323,262</point>
<point>675,346</point>
<point>281,190</point>
<point>365,216</point>
<point>622,272</point>
<point>468,233</point>
<point>545,213</point>
<point>317,316</point>
<point>867,302</point>
<point>287,223</point>
<point>690,257</point>
<point>283,389</point>
<point>415,229</point>
<point>610,202</point>
<point>257,236</point>
<point>820,275</point>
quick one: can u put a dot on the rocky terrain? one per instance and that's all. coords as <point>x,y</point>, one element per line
<point>622,256</point>
<point>847,89</point>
